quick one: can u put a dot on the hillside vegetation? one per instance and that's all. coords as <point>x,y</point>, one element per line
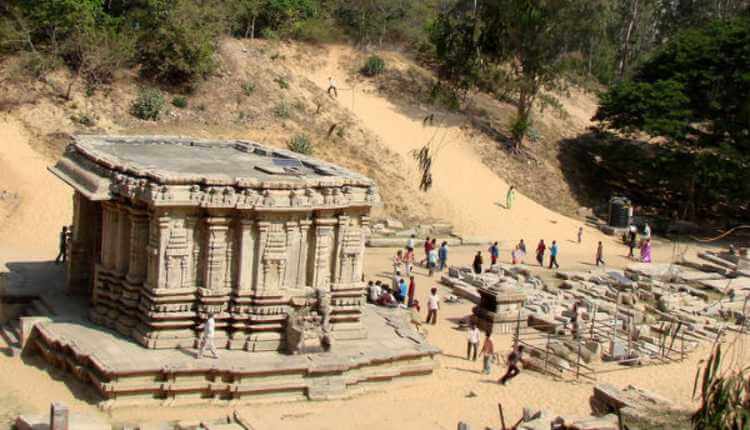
<point>511,72</point>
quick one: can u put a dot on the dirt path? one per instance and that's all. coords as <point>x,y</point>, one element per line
<point>466,192</point>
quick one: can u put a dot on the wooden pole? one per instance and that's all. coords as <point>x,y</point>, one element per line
<point>593,318</point>
<point>546,352</point>
<point>578,360</point>
<point>518,330</point>
<point>502,417</point>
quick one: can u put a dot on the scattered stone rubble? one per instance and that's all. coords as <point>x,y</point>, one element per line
<point>391,233</point>
<point>648,312</point>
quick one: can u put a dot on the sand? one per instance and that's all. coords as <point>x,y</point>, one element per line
<point>466,193</point>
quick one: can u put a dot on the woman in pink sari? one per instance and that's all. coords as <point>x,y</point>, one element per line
<point>646,251</point>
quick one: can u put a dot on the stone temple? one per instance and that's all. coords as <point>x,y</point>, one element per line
<point>169,229</point>
<point>166,230</point>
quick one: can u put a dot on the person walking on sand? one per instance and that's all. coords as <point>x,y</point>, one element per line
<point>513,359</point>
<point>433,304</point>
<point>646,251</point>
<point>488,353</point>
<point>632,238</point>
<point>427,247</point>
<point>398,260</point>
<point>332,87</point>
<point>62,255</point>
<point>540,252</point>
<point>580,234</point>
<point>553,250</point>
<point>472,344</point>
<point>522,251</point>
<point>432,261</point>
<point>600,254</point>
<point>207,338</point>
<point>510,197</point>
<point>477,264</point>
<point>494,251</point>
<point>443,255</point>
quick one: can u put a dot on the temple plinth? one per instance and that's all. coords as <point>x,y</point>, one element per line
<point>500,308</point>
<point>168,229</point>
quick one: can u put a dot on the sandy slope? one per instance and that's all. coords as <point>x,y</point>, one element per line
<point>45,202</point>
<point>465,192</point>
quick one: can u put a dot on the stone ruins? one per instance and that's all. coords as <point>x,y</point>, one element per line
<point>166,230</point>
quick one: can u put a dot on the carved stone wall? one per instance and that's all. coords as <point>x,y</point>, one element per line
<point>162,270</point>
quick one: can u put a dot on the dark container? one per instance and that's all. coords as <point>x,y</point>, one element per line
<point>620,212</point>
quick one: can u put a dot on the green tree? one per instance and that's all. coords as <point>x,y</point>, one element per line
<point>694,94</point>
<point>516,48</point>
<point>178,39</point>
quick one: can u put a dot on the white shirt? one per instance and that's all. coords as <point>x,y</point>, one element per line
<point>375,292</point>
<point>474,335</point>
<point>432,302</point>
<point>647,231</point>
<point>210,327</point>
<point>410,243</point>
<point>332,83</point>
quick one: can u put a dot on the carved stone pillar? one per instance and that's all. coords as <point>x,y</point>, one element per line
<point>341,229</point>
<point>246,257</point>
<point>82,246</point>
<point>139,222</point>
<point>292,251</point>
<point>122,247</point>
<point>263,229</point>
<point>193,226</point>
<point>216,246</point>
<point>157,244</point>
<point>304,252</point>
<point>324,236</point>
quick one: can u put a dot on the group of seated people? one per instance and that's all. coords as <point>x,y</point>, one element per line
<point>391,296</point>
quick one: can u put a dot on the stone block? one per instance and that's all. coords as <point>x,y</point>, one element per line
<point>27,326</point>
<point>394,224</point>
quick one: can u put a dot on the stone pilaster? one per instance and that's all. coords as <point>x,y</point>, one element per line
<point>139,222</point>
<point>122,247</point>
<point>82,246</point>
<point>263,230</point>
<point>292,251</point>
<point>216,248</point>
<point>246,257</point>
<point>324,237</point>
<point>304,229</point>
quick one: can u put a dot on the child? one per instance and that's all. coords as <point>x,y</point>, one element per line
<point>488,351</point>
<point>580,234</point>
<point>433,304</point>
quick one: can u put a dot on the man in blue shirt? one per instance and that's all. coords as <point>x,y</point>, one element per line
<point>553,250</point>
<point>443,255</point>
<point>402,292</point>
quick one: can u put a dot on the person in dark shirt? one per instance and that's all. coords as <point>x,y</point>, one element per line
<point>513,359</point>
<point>478,263</point>
<point>62,256</point>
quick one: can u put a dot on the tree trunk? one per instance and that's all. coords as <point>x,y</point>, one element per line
<point>252,28</point>
<point>625,49</point>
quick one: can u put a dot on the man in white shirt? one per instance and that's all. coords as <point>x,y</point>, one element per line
<point>375,291</point>
<point>647,231</point>
<point>207,338</point>
<point>473,342</point>
<point>332,86</point>
<point>433,304</point>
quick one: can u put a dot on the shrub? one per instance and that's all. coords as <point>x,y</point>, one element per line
<point>283,83</point>
<point>373,66</point>
<point>84,119</point>
<point>316,30</point>
<point>281,110</point>
<point>443,95</point>
<point>300,144</point>
<point>148,105</point>
<point>248,88</point>
<point>180,102</point>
